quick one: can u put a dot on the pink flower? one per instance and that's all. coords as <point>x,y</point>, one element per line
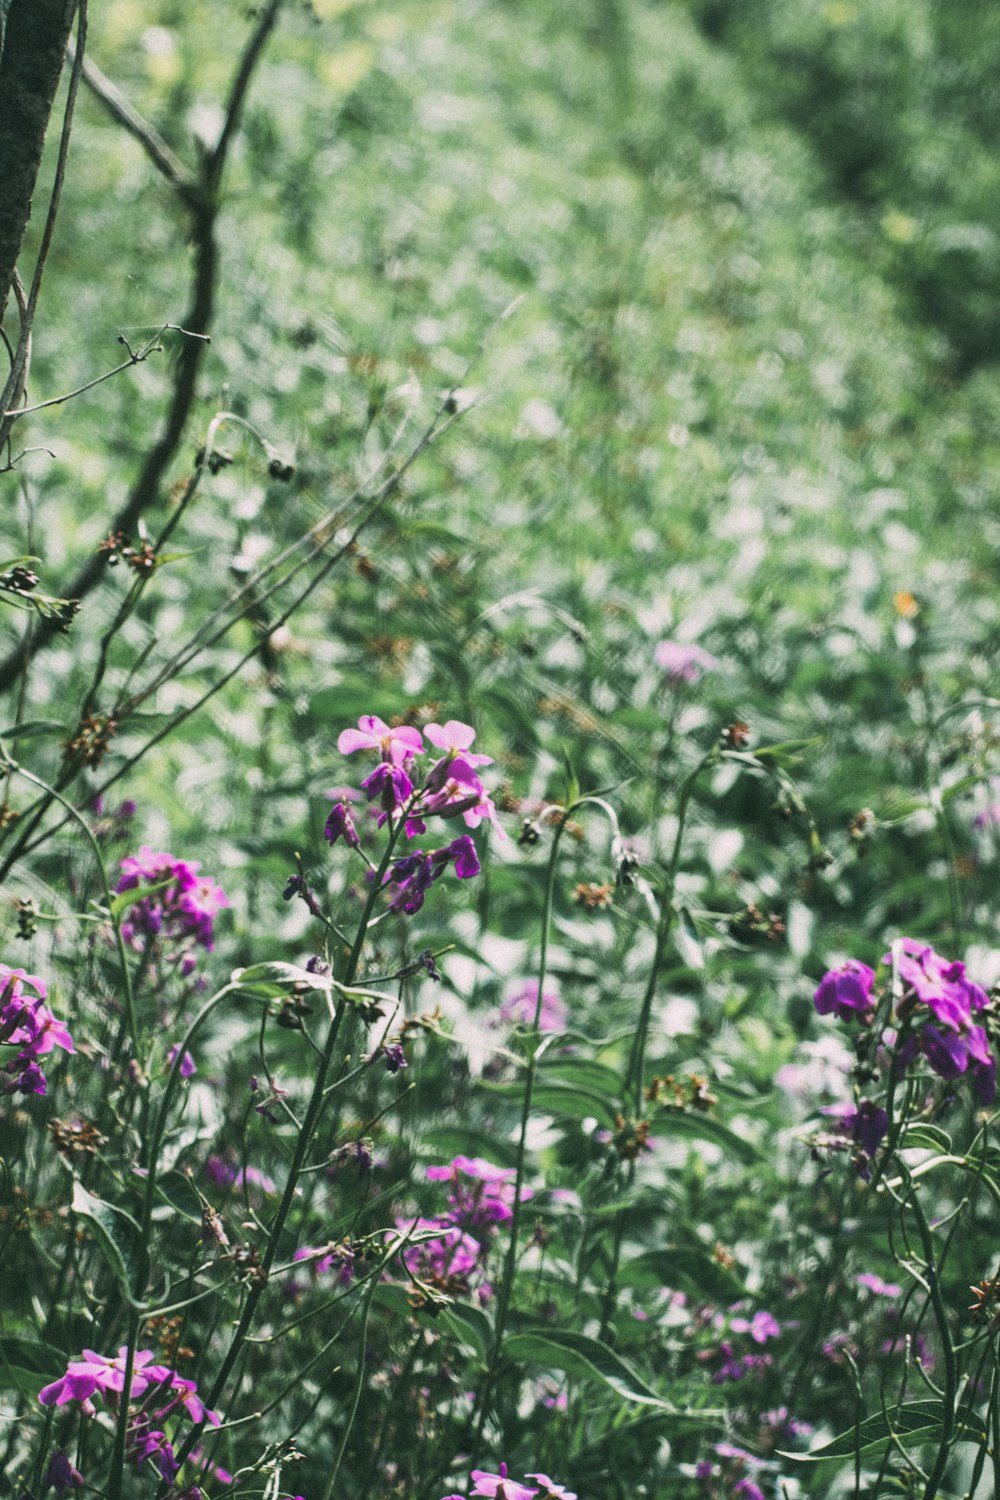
<point>520,1008</point>
<point>846,991</point>
<point>682,663</point>
<point>181,909</point>
<point>187,1068</point>
<point>500,1486</point>
<point>876,1285</point>
<point>372,733</point>
<point>96,1374</point>
<point>456,738</point>
<point>550,1490</point>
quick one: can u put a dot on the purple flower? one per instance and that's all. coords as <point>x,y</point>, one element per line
<point>340,825</point>
<point>865,1127</point>
<point>952,1042</point>
<point>519,1008</point>
<point>390,784</point>
<point>145,1442</point>
<point>187,1067</point>
<point>372,733</point>
<point>180,909</point>
<point>499,1486</point>
<point>550,1490</point>
<point>877,1286</point>
<point>27,1023</point>
<point>761,1327</point>
<point>682,663</point>
<point>456,738</point>
<point>96,1374</point>
<point>482,1194</point>
<point>846,991</point>
<point>394,1057</point>
<point>61,1474</point>
<point>463,852</point>
<point>414,874</point>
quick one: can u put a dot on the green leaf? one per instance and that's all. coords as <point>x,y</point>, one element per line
<point>470,1325</point>
<point>582,1072</point>
<point>930,1136</point>
<point>586,1358</point>
<point>33,726</point>
<point>560,1100</point>
<point>26,1365</point>
<point>688,1268</point>
<point>917,1421</point>
<point>117,1233</point>
<point>706,1128</point>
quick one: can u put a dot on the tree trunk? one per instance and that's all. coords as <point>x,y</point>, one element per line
<point>34,44</point>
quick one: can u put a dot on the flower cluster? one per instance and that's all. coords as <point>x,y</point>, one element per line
<point>499,1487</point>
<point>730,1356</point>
<point>454,1255</point>
<point>936,1009</point>
<point>179,909</point>
<point>450,788</point>
<point>161,1395</point>
<point>27,1024</point>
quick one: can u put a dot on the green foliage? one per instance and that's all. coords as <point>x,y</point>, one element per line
<point>543,333</point>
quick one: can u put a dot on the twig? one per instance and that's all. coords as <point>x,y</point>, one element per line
<point>203,207</point>
<point>121,109</point>
<point>136,357</point>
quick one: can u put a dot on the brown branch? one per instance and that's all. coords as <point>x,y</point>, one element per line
<point>121,109</point>
<point>30,69</point>
<point>203,206</point>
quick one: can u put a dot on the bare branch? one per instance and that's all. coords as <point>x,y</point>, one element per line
<point>121,109</point>
<point>203,207</point>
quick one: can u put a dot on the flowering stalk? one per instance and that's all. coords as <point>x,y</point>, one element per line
<point>316,1104</point>
<point>510,1263</point>
<point>633,1076</point>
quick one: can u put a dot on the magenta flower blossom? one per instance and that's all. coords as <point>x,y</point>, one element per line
<point>96,1374</point>
<point>394,745</point>
<point>519,1008</point>
<point>340,825</point>
<point>414,874</point>
<point>761,1327</point>
<point>181,910</point>
<point>683,664</point>
<point>847,992</point>
<point>550,1490</point>
<point>499,1486</point>
<point>187,1067</point>
<point>940,1002</point>
<point>484,1198</point>
<point>864,1127</point>
<point>450,1257</point>
<point>877,1286</point>
<point>27,1023</point>
<point>939,984</point>
<point>456,738</point>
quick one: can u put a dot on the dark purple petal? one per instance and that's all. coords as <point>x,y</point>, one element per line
<point>946,1052</point>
